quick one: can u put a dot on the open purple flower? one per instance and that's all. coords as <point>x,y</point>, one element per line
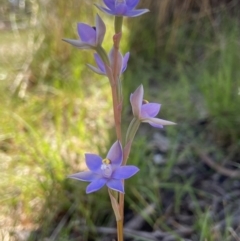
<point>122,8</point>
<point>90,37</point>
<point>145,111</point>
<point>122,63</point>
<point>106,171</point>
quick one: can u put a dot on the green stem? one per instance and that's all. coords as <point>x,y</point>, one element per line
<point>103,54</point>
<point>132,130</point>
<point>118,21</point>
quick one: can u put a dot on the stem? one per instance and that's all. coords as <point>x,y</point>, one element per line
<point>117,89</point>
<point>118,21</point>
<point>120,230</point>
<point>131,132</point>
<point>117,107</point>
<point>102,53</point>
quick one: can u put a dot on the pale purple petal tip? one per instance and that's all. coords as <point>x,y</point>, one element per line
<point>125,61</point>
<point>136,101</point>
<point>115,154</point>
<point>136,13</point>
<point>125,172</point>
<point>157,121</point>
<point>156,125</point>
<point>115,185</point>
<point>105,10</point>
<point>96,185</point>
<point>78,43</point>
<point>150,110</point>
<point>96,70</point>
<point>84,176</point>
<point>100,30</point>
<point>99,62</point>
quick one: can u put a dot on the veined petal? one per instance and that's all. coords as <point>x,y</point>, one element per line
<point>93,162</point>
<point>150,110</point>
<point>115,185</point>
<point>87,176</point>
<point>158,121</point>
<point>125,172</point>
<point>99,62</point>
<point>110,3</point>
<point>96,185</point>
<point>136,101</point>
<point>105,10</point>
<point>78,43</point>
<point>125,61</point>
<point>136,13</point>
<point>115,155</point>
<point>96,70</point>
<point>100,30</point>
<point>132,3</point>
<point>87,33</point>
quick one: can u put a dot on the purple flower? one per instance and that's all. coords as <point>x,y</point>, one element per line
<point>146,112</point>
<point>90,37</point>
<point>122,8</point>
<point>122,63</point>
<point>106,171</point>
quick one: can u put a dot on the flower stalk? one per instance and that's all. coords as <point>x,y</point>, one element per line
<point>118,22</point>
<point>103,55</point>
<point>112,170</point>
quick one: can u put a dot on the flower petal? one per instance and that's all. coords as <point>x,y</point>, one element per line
<point>96,70</point>
<point>119,61</point>
<point>136,101</point>
<point>115,185</point>
<point>132,3</point>
<point>158,121</point>
<point>96,185</point>
<point>121,9</point>
<point>87,33</point>
<point>125,172</point>
<point>78,43</point>
<point>105,10</point>
<point>87,176</point>
<point>100,30</point>
<point>110,3</point>
<point>156,125</point>
<point>115,155</point>
<point>93,162</point>
<point>99,62</point>
<point>125,61</point>
<point>150,110</point>
<point>136,13</point>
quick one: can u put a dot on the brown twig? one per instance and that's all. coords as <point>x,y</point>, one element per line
<point>220,169</point>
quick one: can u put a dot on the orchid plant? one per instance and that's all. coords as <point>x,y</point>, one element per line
<point>112,170</point>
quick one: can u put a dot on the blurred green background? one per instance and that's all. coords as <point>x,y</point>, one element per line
<point>53,110</point>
